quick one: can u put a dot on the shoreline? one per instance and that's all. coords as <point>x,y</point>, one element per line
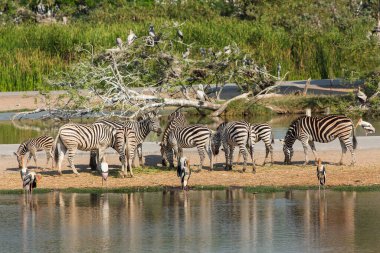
<point>249,189</point>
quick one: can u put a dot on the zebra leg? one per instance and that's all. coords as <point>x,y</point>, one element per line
<point>93,159</point>
<point>231,156</point>
<point>33,153</point>
<point>48,154</point>
<point>70,158</point>
<point>314,150</point>
<point>344,150</point>
<point>202,156</point>
<point>226,154</point>
<point>61,149</point>
<point>209,153</point>
<point>130,158</point>
<point>170,156</point>
<point>243,151</point>
<point>252,153</point>
<point>305,150</point>
<point>139,153</point>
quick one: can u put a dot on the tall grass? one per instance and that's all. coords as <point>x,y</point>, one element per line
<point>29,53</point>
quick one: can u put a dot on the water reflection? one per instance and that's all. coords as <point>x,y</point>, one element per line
<point>200,221</point>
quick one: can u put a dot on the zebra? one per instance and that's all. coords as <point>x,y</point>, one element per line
<point>231,134</point>
<point>141,128</point>
<point>263,132</point>
<point>99,137</point>
<point>191,136</point>
<point>320,129</point>
<point>32,146</point>
<point>175,119</point>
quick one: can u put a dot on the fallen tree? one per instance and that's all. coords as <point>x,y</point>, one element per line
<point>146,74</point>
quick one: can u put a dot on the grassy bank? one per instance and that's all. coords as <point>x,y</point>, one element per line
<point>291,104</point>
<point>306,38</point>
<point>253,189</point>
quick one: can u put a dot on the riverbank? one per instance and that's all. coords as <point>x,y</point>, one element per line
<point>364,175</point>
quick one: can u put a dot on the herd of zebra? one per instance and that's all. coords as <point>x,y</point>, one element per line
<point>127,138</point>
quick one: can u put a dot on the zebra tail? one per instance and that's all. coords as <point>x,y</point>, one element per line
<point>272,136</point>
<point>354,140</point>
<point>55,149</point>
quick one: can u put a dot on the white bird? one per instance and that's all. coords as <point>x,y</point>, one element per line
<point>201,95</point>
<point>184,172</point>
<point>203,52</point>
<point>30,181</point>
<point>227,50</point>
<point>131,37</point>
<point>151,31</point>
<point>119,42</point>
<point>368,128</point>
<point>218,54</point>
<point>180,34</point>
<point>321,173</point>
<point>361,96</point>
<point>186,54</point>
<point>23,172</point>
<point>104,169</point>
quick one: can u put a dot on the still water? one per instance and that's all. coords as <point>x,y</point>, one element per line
<point>201,221</point>
<point>20,130</point>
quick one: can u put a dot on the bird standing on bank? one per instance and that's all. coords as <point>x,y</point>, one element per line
<point>104,169</point>
<point>361,96</point>
<point>201,95</point>
<point>184,172</point>
<point>321,173</point>
<point>186,54</point>
<point>151,31</point>
<point>30,181</point>
<point>368,128</point>
<point>180,34</point>
<point>131,37</point>
<point>119,42</point>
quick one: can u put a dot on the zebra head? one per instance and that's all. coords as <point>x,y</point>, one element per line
<point>154,125</point>
<point>216,141</point>
<point>288,152</point>
<point>20,160</point>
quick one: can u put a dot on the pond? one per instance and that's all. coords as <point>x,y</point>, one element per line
<point>200,221</point>
<point>20,130</point>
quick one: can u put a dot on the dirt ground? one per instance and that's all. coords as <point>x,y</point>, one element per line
<point>365,172</point>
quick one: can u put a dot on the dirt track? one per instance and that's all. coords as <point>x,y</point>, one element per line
<point>366,172</point>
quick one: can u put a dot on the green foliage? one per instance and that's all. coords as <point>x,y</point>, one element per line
<point>318,39</point>
<point>372,83</point>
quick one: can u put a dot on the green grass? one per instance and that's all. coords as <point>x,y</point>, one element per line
<point>276,33</point>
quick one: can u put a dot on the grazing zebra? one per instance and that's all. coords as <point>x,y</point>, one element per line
<point>235,133</point>
<point>175,119</point>
<point>191,136</point>
<point>320,129</point>
<point>99,137</point>
<point>141,128</point>
<point>263,132</point>
<point>32,146</point>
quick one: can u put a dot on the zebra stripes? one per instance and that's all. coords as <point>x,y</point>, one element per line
<point>191,136</point>
<point>320,129</point>
<point>72,137</point>
<point>32,146</point>
<point>231,134</point>
<point>264,133</point>
<point>141,129</point>
<point>175,119</point>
